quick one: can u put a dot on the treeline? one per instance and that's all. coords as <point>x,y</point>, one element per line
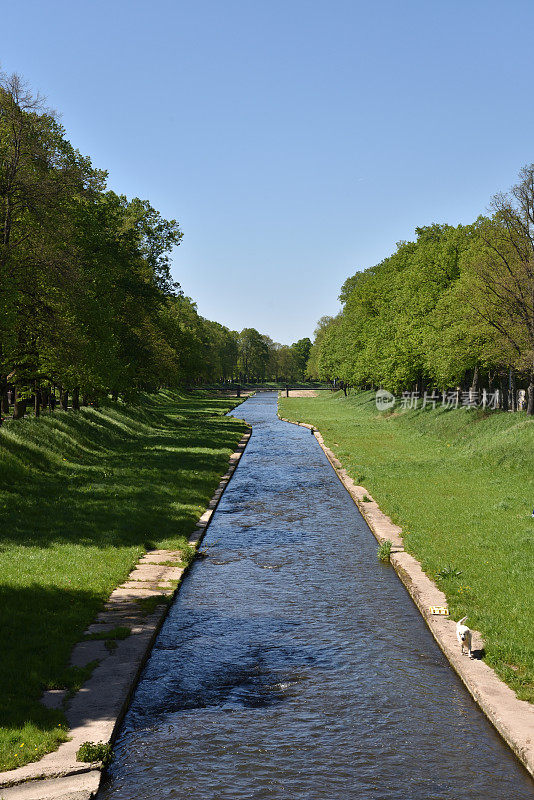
<point>453,310</point>
<point>260,359</point>
<point>87,302</point>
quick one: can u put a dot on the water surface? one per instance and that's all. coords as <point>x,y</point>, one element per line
<point>293,664</point>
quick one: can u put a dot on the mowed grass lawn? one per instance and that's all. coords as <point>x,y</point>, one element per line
<point>461,485</point>
<point>82,495</point>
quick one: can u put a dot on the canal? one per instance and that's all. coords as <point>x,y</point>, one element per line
<point>293,664</point>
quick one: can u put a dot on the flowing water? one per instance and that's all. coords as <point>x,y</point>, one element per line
<point>293,664</point>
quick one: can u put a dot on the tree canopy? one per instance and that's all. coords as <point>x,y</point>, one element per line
<point>454,308</point>
<point>88,304</point>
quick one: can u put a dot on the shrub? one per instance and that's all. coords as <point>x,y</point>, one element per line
<point>384,550</point>
<point>90,752</point>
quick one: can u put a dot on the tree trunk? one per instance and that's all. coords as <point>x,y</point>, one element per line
<point>76,398</point>
<point>19,406</point>
<point>473,388</point>
<point>4,407</point>
<point>114,395</point>
<point>37,401</point>
<point>530,394</point>
<point>419,386</point>
<point>504,391</point>
<point>474,381</point>
<point>64,399</point>
<point>512,390</point>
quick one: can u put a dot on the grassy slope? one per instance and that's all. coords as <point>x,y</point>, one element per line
<point>82,495</point>
<point>461,485</point>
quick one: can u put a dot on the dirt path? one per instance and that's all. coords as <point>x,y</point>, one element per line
<point>301,393</point>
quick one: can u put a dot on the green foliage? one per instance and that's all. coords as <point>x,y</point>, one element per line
<point>261,359</point>
<point>312,366</point>
<point>91,752</point>
<point>149,604</point>
<point>383,334</point>
<point>253,354</point>
<point>88,302</point>
<point>188,555</point>
<point>384,550</point>
<point>301,352</point>
<point>453,308</point>
<point>89,306</point>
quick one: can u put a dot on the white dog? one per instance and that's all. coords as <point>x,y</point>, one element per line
<point>463,634</point>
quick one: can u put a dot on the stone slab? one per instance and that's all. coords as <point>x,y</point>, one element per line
<point>160,556</point>
<point>85,652</point>
<point>53,698</point>
<point>72,787</point>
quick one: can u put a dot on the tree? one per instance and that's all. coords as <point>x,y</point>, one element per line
<point>253,354</point>
<point>288,367</point>
<point>312,367</point>
<point>501,286</point>
<point>301,351</point>
<point>83,272</point>
<point>41,177</point>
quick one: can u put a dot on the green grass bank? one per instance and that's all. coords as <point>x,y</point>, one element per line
<point>461,484</point>
<point>82,496</point>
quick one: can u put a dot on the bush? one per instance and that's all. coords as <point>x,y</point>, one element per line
<point>89,752</point>
<point>384,550</point>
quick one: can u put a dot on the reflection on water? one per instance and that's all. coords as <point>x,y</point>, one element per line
<point>294,666</point>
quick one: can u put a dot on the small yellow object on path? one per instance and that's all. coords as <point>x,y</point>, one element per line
<point>439,610</point>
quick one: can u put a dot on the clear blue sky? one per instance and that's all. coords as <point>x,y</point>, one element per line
<point>295,142</point>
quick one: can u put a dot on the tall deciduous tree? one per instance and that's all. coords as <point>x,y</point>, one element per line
<point>501,290</point>
<point>454,308</point>
<point>253,354</point>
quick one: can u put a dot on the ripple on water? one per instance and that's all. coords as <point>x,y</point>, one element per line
<point>294,666</point>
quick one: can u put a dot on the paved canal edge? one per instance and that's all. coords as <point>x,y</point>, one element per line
<point>97,710</point>
<point>513,718</point>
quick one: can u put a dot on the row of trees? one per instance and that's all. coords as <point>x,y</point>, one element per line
<point>260,359</point>
<point>455,308</point>
<point>87,303</point>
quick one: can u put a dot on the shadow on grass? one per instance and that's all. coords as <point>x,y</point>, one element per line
<point>132,480</point>
<point>81,496</point>
<point>49,620</point>
<point>39,629</point>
